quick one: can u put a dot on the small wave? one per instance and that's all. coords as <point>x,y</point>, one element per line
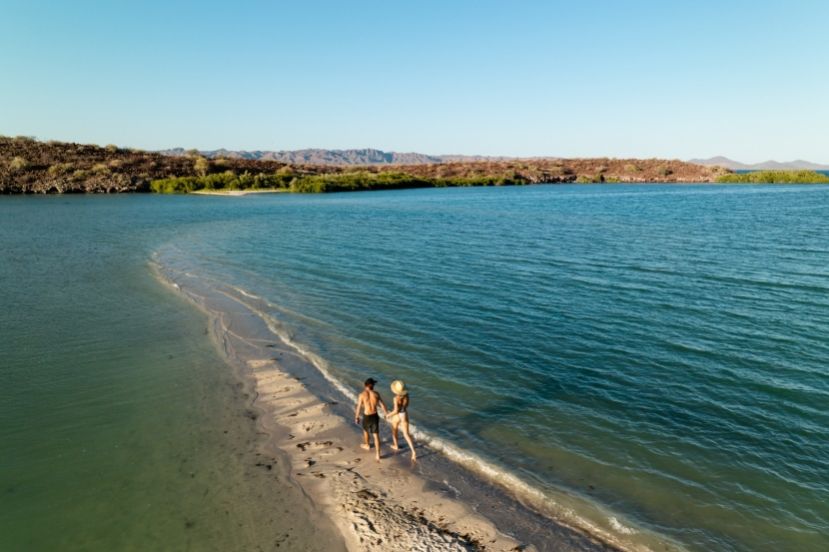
<point>618,526</point>
<point>452,488</point>
<point>247,293</point>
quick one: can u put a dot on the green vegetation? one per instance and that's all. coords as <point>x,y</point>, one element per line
<point>364,180</point>
<point>286,179</point>
<point>221,181</point>
<point>775,177</point>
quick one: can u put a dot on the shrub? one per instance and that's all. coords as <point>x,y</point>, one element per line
<point>59,168</point>
<point>111,148</point>
<point>201,166</point>
<point>100,168</point>
<point>222,181</point>
<point>18,164</point>
<point>587,179</point>
<point>664,171</point>
<point>775,177</point>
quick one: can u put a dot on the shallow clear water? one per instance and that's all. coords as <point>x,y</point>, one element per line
<point>121,427</point>
<point>658,350</point>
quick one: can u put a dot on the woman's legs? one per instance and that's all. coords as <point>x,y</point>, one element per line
<point>394,426</point>
<point>408,437</point>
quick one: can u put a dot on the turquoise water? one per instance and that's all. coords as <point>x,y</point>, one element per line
<point>656,350</point>
<point>121,427</point>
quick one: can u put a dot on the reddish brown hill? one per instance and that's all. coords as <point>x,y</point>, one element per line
<point>29,166</point>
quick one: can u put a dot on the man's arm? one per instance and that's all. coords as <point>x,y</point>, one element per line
<point>357,410</point>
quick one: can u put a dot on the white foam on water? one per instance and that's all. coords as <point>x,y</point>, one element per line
<point>617,525</point>
<point>246,293</point>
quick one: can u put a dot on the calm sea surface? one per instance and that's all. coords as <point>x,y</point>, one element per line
<point>120,426</point>
<point>660,351</point>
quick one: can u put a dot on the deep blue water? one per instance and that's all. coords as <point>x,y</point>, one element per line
<point>658,350</point>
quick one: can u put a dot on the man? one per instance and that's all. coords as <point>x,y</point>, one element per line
<point>368,401</point>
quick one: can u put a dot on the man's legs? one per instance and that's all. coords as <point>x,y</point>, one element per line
<point>377,446</point>
<point>365,444</point>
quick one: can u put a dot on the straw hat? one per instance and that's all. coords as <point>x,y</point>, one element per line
<point>399,388</point>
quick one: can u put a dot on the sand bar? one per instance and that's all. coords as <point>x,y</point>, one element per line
<point>235,193</point>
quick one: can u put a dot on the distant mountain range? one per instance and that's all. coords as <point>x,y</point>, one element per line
<point>765,165</point>
<point>366,156</point>
<point>370,156</point>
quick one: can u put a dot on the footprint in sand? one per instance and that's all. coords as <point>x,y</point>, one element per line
<point>290,402</point>
<point>320,448</point>
<point>312,426</point>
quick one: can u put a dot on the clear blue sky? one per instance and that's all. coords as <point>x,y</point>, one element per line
<point>746,79</point>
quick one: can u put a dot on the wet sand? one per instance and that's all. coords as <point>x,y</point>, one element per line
<point>236,192</point>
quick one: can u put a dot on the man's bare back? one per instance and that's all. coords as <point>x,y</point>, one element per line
<point>368,401</point>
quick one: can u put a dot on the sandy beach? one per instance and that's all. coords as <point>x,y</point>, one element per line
<point>376,505</point>
<point>235,193</point>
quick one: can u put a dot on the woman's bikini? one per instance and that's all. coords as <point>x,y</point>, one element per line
<point>402,406</point>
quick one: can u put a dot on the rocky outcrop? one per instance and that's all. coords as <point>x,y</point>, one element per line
<point>30,166</point>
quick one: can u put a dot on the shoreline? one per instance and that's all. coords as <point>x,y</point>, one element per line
<point>237,192</point>
<point>395,501</point>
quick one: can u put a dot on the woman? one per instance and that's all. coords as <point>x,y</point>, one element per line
<point>400,416</point>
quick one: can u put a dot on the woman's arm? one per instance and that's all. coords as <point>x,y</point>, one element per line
<point>396,407</point>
